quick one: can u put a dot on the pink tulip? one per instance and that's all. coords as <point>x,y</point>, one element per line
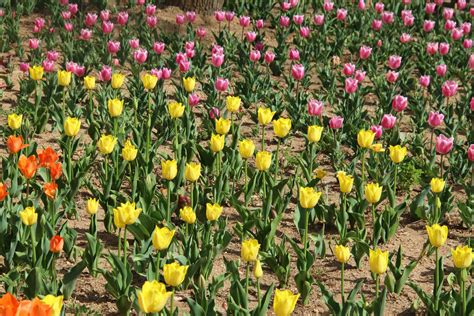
<point>68,27</point>
<point>387,17</point>
<point>166,73</point>
<point>107,27</point>
<point>461,4</point>
<point>151,21</point>
<point>351,85</point>
<point>378,130</point>
<point>449,25</point>
<point>158,73</point>
<point>388,121</point>
<point>250,36</point>
<point>304,31</point>
<point>394,62</point>
<point>140,55</point>
<point>443,48</point>
<point>24,67</point>
<point>259,24</point>
<point>48,65</point>
<point>134,43</point>
<point>105,15</point>
<point>449,88</point>
<point>193,99</point>
<point>116,62</point>
<point>180,19</point>
<point>229,16</point>
<point>471,104</point>
<point>399,103</point>
<point>284,21</point>
<point>405,38</point>
<point>430,8</point>
<point>40,22</point>
<point>444,144</point>
<point>466,28</point>
<point>467,43</point>
<point>105,73</point>
<point>470,152</point>
<point>91,19</point>
<point>122,18</point>
<point>328,5</point>
<point>214,113</point>
<point>63,2</point>
<point>441,70</point>
<point>408,20</point>
<point>221,84</point>
<point>140,2</point>
<point>80,71</point>
<point>189,45</point>
<point>298,19</point>
<point>71,66</point>
<point>294,54</point>
<point>294,3</point>
<point>448,13</point>
<point>219,16</point>
<point>33,43</point>
<point>184,65</point>
<point>190,16</point>
<point>254,55</point>
<point>150,9</point>
<point>360,75</point>
<point>379,43</point>
<point>285,6</point>
<point>180,57</point>
<point>379,7</point>
<point>244,21</point>
<point>201,32</point>
<point>471,11</point>
<point>52,55</point>
<point>86,34</point>
<point>318,19</point>
<point>391,76</point>
<point>361,5</point>
<point>315,107</point>
<point>457,33</point>
<point>365,52</point>
<point>470,62</point>
<point>376,25</point>
<point>428,25</point>
<point>217,60</point>
<point>269,57</point>
<point>432,48</point>
<point>348,69</point>
<point>297,71</point>
<point>341,14</point>
<point>158,47</point>
<point>217,49</point>
<point>190,53</point>
<point>113,47</point>
<point>424,81</point>
<point>73,8</point>
<point>435,119</point>
<point>336,122</point>
<point>66,15</point>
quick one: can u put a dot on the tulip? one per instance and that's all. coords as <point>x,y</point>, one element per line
<point>265,115</point>
<point>365,138</point>
<point>269,57</point>
<point>336,122</point>
<point>318,19</point>
<point>106,144</point>
<point>115,106</point>
<point>297,71</point>
<point>258,271</point>
<point>435,119</point>
<point>315,107</point>
<point>470,153</point>
<point>378,261</point>
<point>437,235</point>
<point>437,185</point>
<point>217,60</point>
<point>174,273</point>
<point>162,237</point>
<point>126,214</point>
<point>92,206</point>
<point>399,103</point>
<point>281,127</point>
<point>351,85</point>
<point>249,250</point>
<point>153,297</point>
<point>222,126</point>
<point>117,80</point>
<point>314,133</point>
<point>149,81</point>
<point>56,244</point>
<point>444,144</point>
<point>50,189</point>
<point>348,69</point>
<point>175,109</point>
<point>28,216</point>
<point>14,121</point>
<point>233,103</point>
<point>15,144</point>
<point>28,166</point>
<point>345,182</point>
<point>343,254</point>
<point>187,215</point>
<point>263,160</point>
<point>189,84</point>
<point>213,211</point>
<point>397,153</point>
<point>441,70</point>
<point>89,82</point>
<point>378,130</point>
<point>217,143</point>
<point>462,257</point>
<point>36,72</point>
<point>3,191</point>
<point>129,151</point>
<point>221,84</point>
<point>169,169</point>
<point>284,302</point>
<point>246,148</point>
<point>140,55</point>
<point>308,197</point>
<point>34,307</point>
<point>373,192</point>
<point>72,126</point>
<point>192,171</point>
<point>449,88</point>
<point>64,78</point>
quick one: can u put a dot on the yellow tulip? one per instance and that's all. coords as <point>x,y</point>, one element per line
<point>232,104</point>
<point>174,273</point>
<point>129,151</point>
<point>92,206</point>
<point>319,173</point>
<point>397,153</point>
<point>263,160</point>
<point>365,138</point>
<point>308,197</point>
<point>189,84</point>
<point>373,192</point>
<point>126,214</point>
<point>257,270</point>
<point>169,169</point>
<point>265,115</point>
<point>117,80</point>
<point>249,250</point>
<point>55,302</point>
<point>377,148</point>
<point>153,297</point>
<point>282,127</point>
<point>106,144</point>
<point>36,72</point>
<point>314,133</point>
<point>115,107</point>
<point>89,82</point>
<point>378,261</point>
<point>175,109</point>
<point>149,81</point>
<point>217,142</point>
<point>29,216</point>
<point>72,126</point>
<point>462,257</point>
<point>192,171</point>
<point>284,302</point>
<point>222,126</point>
<point>345,182</point>
<point>187,215</point>
<point>162,237</point>
<point>213,211</point>
<point>246,148</point>
<point>342,253</point>
<point>14,121</point>
<point>437,185</point>
<point>64,78</point>
<point>437,234</point>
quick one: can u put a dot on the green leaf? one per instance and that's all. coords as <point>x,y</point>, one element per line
<point>69,280</point>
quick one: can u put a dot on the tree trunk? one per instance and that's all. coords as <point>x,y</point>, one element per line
<point>201,6</point>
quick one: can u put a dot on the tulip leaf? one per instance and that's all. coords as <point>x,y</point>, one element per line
<point>70,278</point>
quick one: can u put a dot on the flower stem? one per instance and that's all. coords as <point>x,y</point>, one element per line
<point>168,203</point>
<point>276,159</point>
<point>247,269</point>
<point>305,235</point>
<point>119,243</point>
<point>33,244</point>
<point>395,182</point>
<point>125,246</point>
<point>158,257</point>
<point>263,137</point>
<point>377,286</point>
<point>172,302</point>
<point>363,166</point>
<point>342,285</point>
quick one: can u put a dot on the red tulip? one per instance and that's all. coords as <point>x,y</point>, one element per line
<point>56,244</point>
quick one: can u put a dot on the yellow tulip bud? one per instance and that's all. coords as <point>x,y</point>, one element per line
<point>308,197</point>
<point>437,185</point>
<point>213,211</point>
<point>377,148</point>
<point>115,107</point>
<point>189,84</point>
<point>106,144</point>
<point>192,171</point>
<point>462,257</point>
<point>314,133</point>
<point>345,182</point>
<point>282,127</point>
<point>284,302</point>
<point>217,142</point>
<point>257,270</point>
<point>153,297</point>
<point>222,126</point>
<point>249,250</point>
<point>397,153</point>
<point>55,303</point>
<point>175,109</point>
<point>265,115</point>
<point>64,78</point>
<point>246,148</point>
<point>29,216</point>
<point>117,80</point>
<point>126,214</point>
<point>378,261</point>
<point>149,81</point>
<point>89,82</point>
<point>169,169</point>
<point>162,237</point>
<point>437,235</point>
<point>373,192</point>
<point>342,253</point>
<point>36,72</point>
<point>14,121</point>
<point>187,215</point>
<point>319,173</point>
<point>92,206</point>
<point>365,138</point>
<point>72,126</point>
<point>129,151</point>
<point>232,104</point>
<point>174,273</point>
<point>263,160</point>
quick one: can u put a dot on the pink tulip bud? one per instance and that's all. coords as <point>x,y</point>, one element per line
<point>269,57</point>
<point>180,57</point>
<point>336,122</point>
<point>432,48</point>
<point>294,54</point>
<point>105,73</point>
<point>461,5</point>
<point>134,43</point>
<point>151,21</point>
<point>73,8</point>
<point>449,88</point>
<point>424,81</point>
<point>158,47</point>
<point>254,55</point>
<point>105,15</point>
<point>71,66</point>
<point>24,67</point>
<point>284,21</point>
<point>365,52</point>
<point>435,119</point>
<point>285,6</point>
<point>113,47</point>
<point>470,152</point>
<point>180,19</point>
<point>379,43</point>
<point>122,18</point>
<point>388,121</point>
<point>457,33</point>
<point>449,25</point>
<point>40,22</point>
<point>361,5</point>
<point>190,53</point>
<point>66,15</point>
<point>378,130</point>
<point>190,16</point>
<point>184,66</point>
<point>68,27</point>
<point>158,73</point>
<point>201,32</point>
<point>193,99</point>
<point>376,25</point>
<point>318,19</point>
<point>219,16</point>
<point>328,5</point>
<point>470,62</point>
<point>387,17</point>
<point>214,113</point>
<point>52,55</point>
<point>341,14</point>
<point>471,11</point>
<point>150,9</point>
<point>80,71</point>
<point>229,16</point>
<point>48,65</point>
<point>351,85</point>
<point>244,21</point>
<point>217,60</point>
<point>430,8</point>
<point>297,71</point>
<point>250,36</point>
<point>221,84</point>
<point>441,70</point>
<point>140,2</point>
<point>399,103</point>
<point>85,35</point>
<point>116,62</point>
<point>91,19</point>
<point>298,19</point>
<point>166,73</point>
<point>391,76</point>
<point>217,49</point>
<point>443,48</point>
<point>189,45</point>
<point>444,144</point>
<point>466,28</point>
<point>259,24</point>
<point>448,13</point>
<point>348,69</point>
<point>140,55</point>
<point>394,62</point>
<point>107,27</point>
<point>294,3</point>
<point>33,43</point>
<point>467,43</point>
<point>408,20</point>
<point>379,7</point>
<point>360,75</point>
<point>428,25</point>
<point>405,38</point>
<point>315,107</point>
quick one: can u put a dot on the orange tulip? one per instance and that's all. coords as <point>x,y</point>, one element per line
<point>50,190</point>
<point>8,305</point>
<point>3,192</point>
<point>47,157</point>
<point>28,166</point>
<point>15,144</point>
<point>33,308</point>
<point>56,244</point>
<point>55,170</point>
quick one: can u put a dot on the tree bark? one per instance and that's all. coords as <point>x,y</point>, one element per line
<point>201,6</point>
